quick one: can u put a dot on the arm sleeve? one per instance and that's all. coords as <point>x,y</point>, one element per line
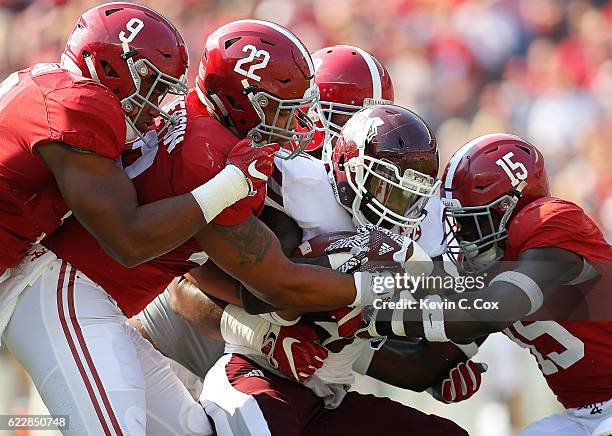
<point>86,116</point>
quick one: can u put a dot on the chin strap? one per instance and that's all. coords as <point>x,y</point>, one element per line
<point>91,67</point>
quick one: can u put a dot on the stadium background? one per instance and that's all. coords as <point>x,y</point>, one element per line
<point>538,68</point>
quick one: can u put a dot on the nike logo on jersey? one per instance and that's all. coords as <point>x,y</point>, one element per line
<point>253,171</point>
<point>287,343</point>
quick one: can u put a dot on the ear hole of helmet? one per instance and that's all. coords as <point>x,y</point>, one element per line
<point>109,70</point>
<point>231,42</point>
<point>109,12</point>
<point>233,103</point>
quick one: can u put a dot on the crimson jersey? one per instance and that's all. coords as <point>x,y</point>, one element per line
<point>39,105</point>
<point>192,152</point>
<point>574,356</point>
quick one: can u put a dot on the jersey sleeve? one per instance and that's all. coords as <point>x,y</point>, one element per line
<point>86,116</point>
<point>552,222</point>
<point>241,210</point>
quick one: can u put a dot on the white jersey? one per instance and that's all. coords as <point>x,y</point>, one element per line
<point>301,189</point>
<point>430,233</point>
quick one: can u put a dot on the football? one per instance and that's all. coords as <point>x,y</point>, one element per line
<point>369,249</point>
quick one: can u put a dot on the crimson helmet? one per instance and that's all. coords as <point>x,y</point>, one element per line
<point>486,182</point>
<point>385,165</point>
<point>121,44</point>
<point>349,79</point>
<point>249,67</point>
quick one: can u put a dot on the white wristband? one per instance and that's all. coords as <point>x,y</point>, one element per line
<point>397,318</point>
<point>223,190</point>
<point>433,320</point>
<point>240,328</point>
<point>275,318</point>
<point>525,284</point>
<point>371,287</point>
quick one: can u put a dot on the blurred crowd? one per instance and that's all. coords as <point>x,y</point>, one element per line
<point>537,68</point>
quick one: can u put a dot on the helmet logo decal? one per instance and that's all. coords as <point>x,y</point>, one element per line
<point>134,26</point>
<point>254,53</point>
<point>516,171</point>
<point>362,128</point>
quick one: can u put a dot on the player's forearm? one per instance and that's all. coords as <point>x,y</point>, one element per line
<point>414,366</point>
<point>307,288</point>
<point>255,305</point>
<point>458,317</point>
<point>156,228</point>
<point>216,283</point>
<point>104,200</point>
<point>153,230</point>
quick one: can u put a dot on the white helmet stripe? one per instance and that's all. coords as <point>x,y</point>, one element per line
<point>376,80</point>
<point>454,162</point>
<point>291,37</point>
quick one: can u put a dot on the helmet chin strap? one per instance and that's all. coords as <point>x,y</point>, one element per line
<point>91,67</point>
<point>517,193</point>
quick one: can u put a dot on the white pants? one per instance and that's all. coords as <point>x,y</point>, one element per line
<point>588,420</point>
<point>88,364</point>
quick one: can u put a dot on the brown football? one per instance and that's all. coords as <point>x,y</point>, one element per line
<point>369,252</point>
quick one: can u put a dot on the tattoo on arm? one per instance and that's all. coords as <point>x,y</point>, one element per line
<point>251,238</point>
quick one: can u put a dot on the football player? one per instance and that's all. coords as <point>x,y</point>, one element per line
<point>349,79</point>
<point>244,392</point>
<point>64,125</point>
<point>95,368</point>
<point>552,291</point>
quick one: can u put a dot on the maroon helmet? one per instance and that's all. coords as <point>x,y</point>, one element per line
<point>485,184</point>
<point>250,67</point>
<point>385,165</point>
<point>122,45</point>
<point>349,79</point>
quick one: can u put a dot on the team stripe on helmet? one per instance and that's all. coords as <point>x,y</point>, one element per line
<point>294,39</point>
<point>456,159</point>
<point>376,80</point>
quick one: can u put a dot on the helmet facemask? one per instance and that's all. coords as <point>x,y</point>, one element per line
<point>136,103</point>
<point>386,198</point>
<point>475,232</point>
<point>289,124</point>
